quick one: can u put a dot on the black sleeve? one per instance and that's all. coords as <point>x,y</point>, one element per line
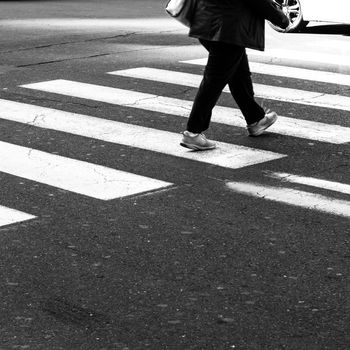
<point>269,11</point>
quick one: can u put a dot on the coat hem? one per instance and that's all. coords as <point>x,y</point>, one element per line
<point>253,47</point>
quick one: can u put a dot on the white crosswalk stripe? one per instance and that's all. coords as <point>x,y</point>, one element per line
<point>290,72</point>
<point>226,155</point>
<point>312,181</point>
<point>278,55</point>
<point>310,98</point>
<point>286,126</point>
<point>10,216</point>
<point>299,198</point>
<point>293,197</point>
<point>73,175</point>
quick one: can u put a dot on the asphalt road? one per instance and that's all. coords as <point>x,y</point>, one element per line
<point>184,251</point>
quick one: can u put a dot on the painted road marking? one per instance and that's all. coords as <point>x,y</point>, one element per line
<point>289,72</point>
<point>293,197</point>
<point>10,216</point>
<point>274,55</point>
<point>312,181</point>
<point>226,155</point>
<point>310,98</point>
<point>73,175</point>
<point>286,126</point>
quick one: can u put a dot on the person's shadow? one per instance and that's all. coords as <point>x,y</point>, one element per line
<point>327,29</point>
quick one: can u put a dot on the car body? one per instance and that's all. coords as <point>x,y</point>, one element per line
<point>300,12</point>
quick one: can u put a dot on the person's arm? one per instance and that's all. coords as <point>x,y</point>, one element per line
<point>270,11</point>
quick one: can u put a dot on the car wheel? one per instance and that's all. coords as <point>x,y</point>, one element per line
<point>292,10</point>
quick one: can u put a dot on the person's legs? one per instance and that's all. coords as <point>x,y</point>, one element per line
<point>227,64</point>
<point>241,87</point>
<point>223,61</point>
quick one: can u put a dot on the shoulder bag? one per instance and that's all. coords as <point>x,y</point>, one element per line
<point>181,10</point>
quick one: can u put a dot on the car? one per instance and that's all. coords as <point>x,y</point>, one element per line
<point>301,12</point>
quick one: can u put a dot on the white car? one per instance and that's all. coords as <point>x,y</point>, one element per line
<point>300,12</point>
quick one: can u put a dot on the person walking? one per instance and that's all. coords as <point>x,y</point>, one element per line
<point>226,28</point>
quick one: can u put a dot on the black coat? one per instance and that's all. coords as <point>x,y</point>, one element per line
<point>238,22</point>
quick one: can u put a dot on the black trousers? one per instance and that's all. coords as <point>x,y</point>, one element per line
<point>227,64</point>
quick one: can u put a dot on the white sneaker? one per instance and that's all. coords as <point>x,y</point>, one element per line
<point>259,127</point>
<point>197,142</point>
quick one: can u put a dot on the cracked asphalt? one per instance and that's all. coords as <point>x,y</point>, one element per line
<point>194,265</point>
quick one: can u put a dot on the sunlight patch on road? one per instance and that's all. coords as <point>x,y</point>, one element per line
<point>95,24</point>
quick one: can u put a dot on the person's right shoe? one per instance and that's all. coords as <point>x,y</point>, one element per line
<point>197,142</point>
<point>259,127</point>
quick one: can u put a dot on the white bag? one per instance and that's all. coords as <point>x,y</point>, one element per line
<point>174,7</point>
<point>182,10</point>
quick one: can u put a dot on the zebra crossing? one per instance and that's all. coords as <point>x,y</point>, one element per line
<point>298,198</point>
<point>103,183</point>
<point>178,107</point>
<point>226,155</point>
<point>264,91</point>
<point>290,72</point>
<point>71,174</point>
<point>286,126</point>
<point>10,216</point>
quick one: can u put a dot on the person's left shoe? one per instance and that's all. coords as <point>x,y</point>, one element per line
<point>259,127</point>
<point>197,142</point>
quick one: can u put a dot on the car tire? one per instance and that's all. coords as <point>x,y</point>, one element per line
<point>292,9</point>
